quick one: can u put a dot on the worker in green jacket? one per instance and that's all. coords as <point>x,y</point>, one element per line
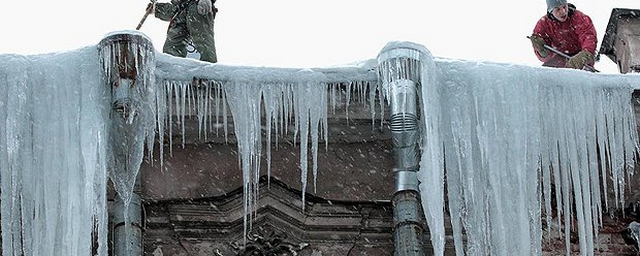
<point>190,22</point>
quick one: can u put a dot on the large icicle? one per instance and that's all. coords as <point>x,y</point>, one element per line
<point>52,166</point>
<point>128,68</point>
<point>514,135</point>
<point>590,121</point>
<point>128,64</point>
<point>431,173</point>
<point>244,100</point>
<point>310,97</point>
<point>307,98</point>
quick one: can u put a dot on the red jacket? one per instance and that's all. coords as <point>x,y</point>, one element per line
<point>571,36</point>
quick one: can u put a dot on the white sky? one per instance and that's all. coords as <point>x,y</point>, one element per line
<point>302,33</point>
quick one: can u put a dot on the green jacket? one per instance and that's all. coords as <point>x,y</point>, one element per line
<point>187,26</point>
<point>166,11</point>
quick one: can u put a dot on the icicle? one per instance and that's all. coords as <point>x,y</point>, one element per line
<point>161,117</point>
<point>333,96</point>
<point>137,106</point>
<point>272,97</point>
<point>310,103</point>
<point>506,124</point>
<point>244,103</point>
<point>50,195</point>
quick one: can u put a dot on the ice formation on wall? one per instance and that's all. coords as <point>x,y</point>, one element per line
<point>129,78</point>
<point>53,154</point>
<point>512,136</point>
<point>508,137</point>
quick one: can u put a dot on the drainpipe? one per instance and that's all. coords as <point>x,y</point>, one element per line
<point>126,60</point>
<point>127,236</point>
<point>399,70</point>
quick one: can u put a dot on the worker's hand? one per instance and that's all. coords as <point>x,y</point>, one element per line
<point>151,8</point>
<point>205,7</point>
<point>538,44</point>
<point>579,60</point>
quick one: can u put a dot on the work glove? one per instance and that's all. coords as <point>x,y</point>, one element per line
<point>538,44</point>
<point>204,7</point>
<point>151,8</point>
<point>579,60</point>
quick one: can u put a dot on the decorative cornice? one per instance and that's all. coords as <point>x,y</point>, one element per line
<point>271,242</point>
<point>278,226</point>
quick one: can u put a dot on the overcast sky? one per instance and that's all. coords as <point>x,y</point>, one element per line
<point>304,33</point>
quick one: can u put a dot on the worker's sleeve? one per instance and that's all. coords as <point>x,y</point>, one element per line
<point>165,11</point>
<point>586,32</point>
<point>542,30</point>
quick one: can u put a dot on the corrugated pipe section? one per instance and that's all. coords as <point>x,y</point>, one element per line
<point>399,70</point>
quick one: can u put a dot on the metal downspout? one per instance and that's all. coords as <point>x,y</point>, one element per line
<point>399,71</point>
<point>125,62</point>
<point>127,239</point>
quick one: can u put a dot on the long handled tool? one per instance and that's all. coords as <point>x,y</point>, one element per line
<point>566,56</point>
<point>586,66</point>
<point>146,14</point>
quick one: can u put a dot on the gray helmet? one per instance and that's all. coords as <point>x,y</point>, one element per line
<point>554,3</point>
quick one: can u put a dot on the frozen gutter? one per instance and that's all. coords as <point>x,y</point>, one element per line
<point>184,69</point>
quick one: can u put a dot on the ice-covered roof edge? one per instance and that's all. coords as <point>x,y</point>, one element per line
<point>184,69</point>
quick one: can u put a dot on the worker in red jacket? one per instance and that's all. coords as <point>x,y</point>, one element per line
<point>569,31</point>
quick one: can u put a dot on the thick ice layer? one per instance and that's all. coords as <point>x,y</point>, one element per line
<point>133,104</point>
<point>52,155</point>
<point>511,135</point>
<point>128,70</point>
<point>58,138</point>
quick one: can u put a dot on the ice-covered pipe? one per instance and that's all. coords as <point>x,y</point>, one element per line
<point>127,60</point>
<point>128,223</point>
<point>399,71</point>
